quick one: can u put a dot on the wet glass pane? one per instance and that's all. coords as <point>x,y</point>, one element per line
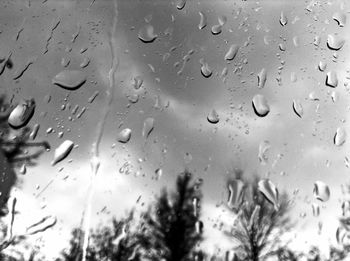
<point>174,130</point>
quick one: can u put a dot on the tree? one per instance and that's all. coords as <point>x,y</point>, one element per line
<point>15,150</point>
<point>113,243</point>
<point>257,221</point>
<point>172,231</point>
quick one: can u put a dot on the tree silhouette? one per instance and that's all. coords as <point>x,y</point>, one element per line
<point>114,243</point>
<point>15,149</point>
<point>257,222</point>
<point>172,231</point>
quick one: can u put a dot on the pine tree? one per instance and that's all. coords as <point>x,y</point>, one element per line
<point>258,223</point>
<point>172,231</point>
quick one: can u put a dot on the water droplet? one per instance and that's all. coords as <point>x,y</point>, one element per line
<point>85,62</point>
<point>340,18</point>
<point>262,78</point>
<point>23,169</point>
<point>340,136</point>
<point>65,62</point>
<point>235,194</point>
<point>180,4</point>
<point>203,21</point>
<point>321,191</point>
<point>315,210</point>
<point>206,70</point>
<point>216,29</point>
<point>317,40</point>
<point>34,131</point>
<point>213,117</point>
<point>18,74</point>
<point>298,108</point>
<point>137,82</point>
<point>322,66</point>
<point>199,227</point>
<point>283,19</point>
<point>148,126</point>
<point>146,34</point>
<point>159,173</point>
<point>231,53</point>
<point>222,20</point>
<point>69,79</point>
<point>282,46</point>
<point>264,147</point>
<point>334,96</point>
<point>260,105</point>
<point>124,136</point>
<point>335,42</point>
<point>269,190</point>
<point>62,151</point>
<point>296,41</point>
<point>42,225</point>
<point>332,79</point>
<point>21,114</point>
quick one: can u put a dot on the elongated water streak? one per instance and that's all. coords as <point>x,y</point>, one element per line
<point>95,154</point>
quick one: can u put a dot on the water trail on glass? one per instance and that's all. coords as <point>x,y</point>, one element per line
<point>95,158</point>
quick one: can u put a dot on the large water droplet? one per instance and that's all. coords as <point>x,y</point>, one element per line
<point>62,151</point>
<point>264,147</point>
<point>335,42</point>
<point>203,21</point>
<point>260,105</point>
<point>269,190</point>
<point>146,34</point>
<point>298,108</point>
<point>262,78</point>
<point>340,136</point>
<point>332,79</point>
<point>69,79</point>
<point>321,191</point>
<point>124,135</point>
<point>340,18</point>
<point>21,114</point>
<point>235,194</point>
<point>283,19</point>
<point>213,117</point>
<point>34,131</point>
<point>148,126</point>
<point>231,53</point>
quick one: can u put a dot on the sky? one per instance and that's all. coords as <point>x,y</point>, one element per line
<point>301,150</point>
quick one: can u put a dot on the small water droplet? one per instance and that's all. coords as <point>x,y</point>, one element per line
<point>264,147</point>
<point>21,114</point>
<point>62,151</point>
<point>260,105</point>
<point>340,18</point>
<point>180,4</point>
<point>206,70</point>
<point>322,66</point>
<point>321,191</point>
<point>148,126</point>
<point>262,78</point>
<point>85,62</point>
<point>213,117</point>
<point>69,79</point>
<point>203,21</point>
<point>298,108</point>
<point>137,82</point>
<point>283,19</point>
<point>269,190</point>
<point>332,79</point>
<point>124,135</point>
<point>335,42</point>
<point>146,34</point>
<point>216,29</point>
<point>315,210</point>
<point>235,194</point>
<point>231,53</point>
<point>340,136</point>
<point>23,169</point>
